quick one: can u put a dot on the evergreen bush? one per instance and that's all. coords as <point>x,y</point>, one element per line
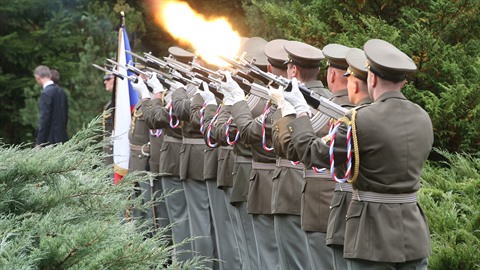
<point>60,210</point>
<point>449,196</point>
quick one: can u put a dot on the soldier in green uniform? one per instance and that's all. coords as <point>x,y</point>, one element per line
<point>157,115</point>
<point>394,139</point>
<point>239,156</point>
<point>318,189</point>
<point>228,252</point>
<point>256,131</point>
<point>288,202</point>
<point>139,138</point>
<point>358,95</point>
<point>198,164</point>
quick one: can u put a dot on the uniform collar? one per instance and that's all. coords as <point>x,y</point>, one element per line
<point>314,84</point>
<point>390,94</point>
<point>340,93</point>
<point>364,101</point>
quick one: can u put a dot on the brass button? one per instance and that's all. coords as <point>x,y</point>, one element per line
<point>290,129</point>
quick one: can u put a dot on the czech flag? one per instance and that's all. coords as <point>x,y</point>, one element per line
<point>125,100</point>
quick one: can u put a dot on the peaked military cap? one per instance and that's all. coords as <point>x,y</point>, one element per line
<point>387,61</point>
<point>253,48</point>
<point>303,55</point>
<point>276,54</point>
<point>107,76</point>
<point>356,60</point>
<point>181,54</point>
<point>335,55</point>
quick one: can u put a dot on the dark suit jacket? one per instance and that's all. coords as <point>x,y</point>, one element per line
<point>53,107</point>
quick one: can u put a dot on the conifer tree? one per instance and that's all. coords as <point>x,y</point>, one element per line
<point>60,210</point>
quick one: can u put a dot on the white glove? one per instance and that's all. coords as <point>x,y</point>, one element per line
<point>155,84</point>
<point>177,85</point>
<point>233,88</point>
<point>227,97</point>
<point>277,95</point>
<point>141,88</point>
<point>208,96</point>
<point>296,98</point>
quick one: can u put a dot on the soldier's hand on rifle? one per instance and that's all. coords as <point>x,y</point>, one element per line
<point>296,98</point>
<point>207,96</point>
<point>227,97</point>
<point>141,88</point>
<point>277,96</point>
<point>155,84</point>
<point>232,87</point>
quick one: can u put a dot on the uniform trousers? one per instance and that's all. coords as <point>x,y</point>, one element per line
<point>291,242</point>
<point>247,240</point>
<point>178,215</point>
<point>319,254</point>
<point>159,208</point>
<point>226,243</point>
<point>201,228</point>
<point>357,264</point>
<point>339,262</point>
<point>263,226</point>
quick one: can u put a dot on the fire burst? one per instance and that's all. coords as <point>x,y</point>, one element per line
<point>209,38</point>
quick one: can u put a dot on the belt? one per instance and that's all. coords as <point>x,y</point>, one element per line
<point>369,196</point>
<point>288,164</point>
<point>145,149</point>
<point>263,166</point>
<point>343,187</point>
<point>172,139</point>
<point>227,147</point>
<point>242,159</point>
<point>193,141</point>
<point>325,175</point>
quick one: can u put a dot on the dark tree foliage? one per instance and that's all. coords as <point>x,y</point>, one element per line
<point>68,36</point>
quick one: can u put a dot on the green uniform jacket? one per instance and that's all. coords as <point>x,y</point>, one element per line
<point>394,138</point>
<point>260,185</point>
<point>139,137</point>
<point>239,171</point>
<point>194,157</point>
<point>156,116</point>
<point>292,193</point>
<point>217,137</point>
<point>339,206</point>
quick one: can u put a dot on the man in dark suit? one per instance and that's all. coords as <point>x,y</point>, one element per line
<point>53,108</point>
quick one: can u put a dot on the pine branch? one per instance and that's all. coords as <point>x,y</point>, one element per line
<point>75,249</point>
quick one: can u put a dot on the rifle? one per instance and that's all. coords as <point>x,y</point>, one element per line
<point>313,99</point>
<point>115,73</point>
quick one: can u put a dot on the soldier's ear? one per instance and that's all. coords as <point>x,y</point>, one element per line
<point>372,79</point>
